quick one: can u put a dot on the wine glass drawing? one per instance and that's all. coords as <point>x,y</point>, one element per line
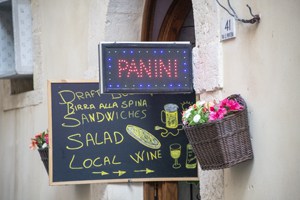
<point>175,151</point>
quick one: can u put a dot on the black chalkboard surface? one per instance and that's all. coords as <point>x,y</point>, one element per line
<point>117,137</point>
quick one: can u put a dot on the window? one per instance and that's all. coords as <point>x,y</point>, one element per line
<point>16,56</point>
<point>20,87</point>
<point>7,39</point>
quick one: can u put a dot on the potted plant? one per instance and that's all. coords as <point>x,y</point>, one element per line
<point>41,142</point>
<point>219,132</point>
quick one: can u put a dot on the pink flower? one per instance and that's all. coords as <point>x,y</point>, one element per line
<point>219,114</point>
<point>46,138</point>
<point>38,135</point>
<point>33,144</point>
<point>231,105</point>
<point>202,111</point>
<point>40,140</point>
<point>213,116</point>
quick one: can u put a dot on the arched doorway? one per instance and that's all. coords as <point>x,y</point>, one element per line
<point>168,20</point>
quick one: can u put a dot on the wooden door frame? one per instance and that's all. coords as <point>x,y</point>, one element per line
<point>148,20</point>
<point>169,31</point>
<point>172,23</point>
<point>165,190</point>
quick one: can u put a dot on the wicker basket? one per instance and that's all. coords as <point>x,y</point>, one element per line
<point>44,157</point>
<point>222,143</point>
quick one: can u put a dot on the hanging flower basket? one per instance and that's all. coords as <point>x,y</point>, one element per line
<point>41,143</point>
<point>222,143</point>
<point>44,157</point>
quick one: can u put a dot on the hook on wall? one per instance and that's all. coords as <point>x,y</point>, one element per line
<point>255,18</point>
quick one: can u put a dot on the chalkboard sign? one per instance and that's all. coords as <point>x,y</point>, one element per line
<point>98,137</point>
<point>146,67</point>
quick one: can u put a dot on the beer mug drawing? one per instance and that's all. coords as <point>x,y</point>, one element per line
<point>171,115</point>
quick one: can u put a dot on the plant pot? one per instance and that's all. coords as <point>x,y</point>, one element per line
<point>44,157</point>
<point>222,143</point>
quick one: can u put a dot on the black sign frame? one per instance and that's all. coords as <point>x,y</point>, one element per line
<point>146,67</point>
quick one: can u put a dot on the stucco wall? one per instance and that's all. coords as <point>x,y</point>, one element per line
<point>65,39</point>
<point>208,79</point>
<point>261,64</point>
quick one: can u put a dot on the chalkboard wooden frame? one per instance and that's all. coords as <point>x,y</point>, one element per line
<point>58,149</point>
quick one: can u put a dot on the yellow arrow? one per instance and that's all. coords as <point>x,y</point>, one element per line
<point>120,172</point>
<point>148,171</point>
<point>102,173</point>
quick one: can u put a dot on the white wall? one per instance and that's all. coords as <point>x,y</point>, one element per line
<point>262,64</point>
<point>66,36</point>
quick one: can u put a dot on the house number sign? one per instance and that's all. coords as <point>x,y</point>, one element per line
<point>228,30</point>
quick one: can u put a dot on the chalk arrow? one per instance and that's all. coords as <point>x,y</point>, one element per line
<point>102,173</point>
<point>120,172</point>
<point>147,171</point>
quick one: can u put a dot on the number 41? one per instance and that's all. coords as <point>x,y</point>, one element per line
<point>228,25</point>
